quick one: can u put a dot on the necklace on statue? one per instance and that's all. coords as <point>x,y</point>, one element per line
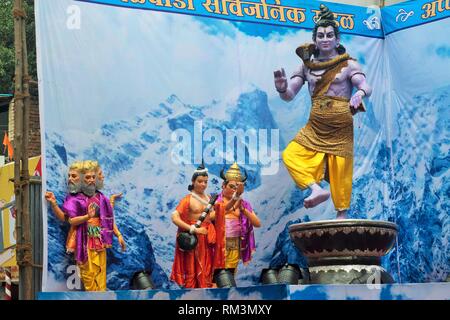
<point>203,201</point>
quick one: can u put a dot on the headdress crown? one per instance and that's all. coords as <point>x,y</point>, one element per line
<point>233,174</point>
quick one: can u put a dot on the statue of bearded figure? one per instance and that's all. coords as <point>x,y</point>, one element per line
<point>90,214</point>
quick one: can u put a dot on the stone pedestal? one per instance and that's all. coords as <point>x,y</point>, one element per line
<point>345,251</point>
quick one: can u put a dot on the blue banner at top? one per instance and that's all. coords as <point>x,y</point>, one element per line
<point>406,15</point>
<point>287,13</point>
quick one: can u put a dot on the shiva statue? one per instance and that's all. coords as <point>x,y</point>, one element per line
<point>323,148</point>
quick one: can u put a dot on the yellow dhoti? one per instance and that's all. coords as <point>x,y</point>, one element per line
<point>307,167</point>
<point>232,253</point>
<point>324,145</point>
<point>93,271</point>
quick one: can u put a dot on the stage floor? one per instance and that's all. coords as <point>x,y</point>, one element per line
<point>412,291</point>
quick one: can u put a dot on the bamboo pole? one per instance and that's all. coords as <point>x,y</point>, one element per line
<point>18,129</point>
<point>26,221</point>
<point>21,95</point>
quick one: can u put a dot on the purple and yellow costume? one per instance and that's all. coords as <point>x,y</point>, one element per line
<point>235,240</point>
<point>92,238</point>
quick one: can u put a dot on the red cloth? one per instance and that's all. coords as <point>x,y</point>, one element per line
<point>8,146</point>
<point>193,269</point>
<point>219,248</point>
<point>38,169</point>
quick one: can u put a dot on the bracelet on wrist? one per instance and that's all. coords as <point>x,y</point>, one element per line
<point>365,94</point>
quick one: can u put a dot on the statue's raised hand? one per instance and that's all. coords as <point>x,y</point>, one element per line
<point>112,199</point>
<point>356,100</point>
<point>281,83</point>
<point>240,189</point>
<point>50,197</point>
<point>122,243</point>
<point>91,210</point>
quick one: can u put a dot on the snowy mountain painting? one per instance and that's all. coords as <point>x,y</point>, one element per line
<point>152,184</point>
<point>152,189</point>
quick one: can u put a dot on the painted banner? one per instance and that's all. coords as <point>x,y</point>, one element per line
<point>149,89</point>
<point>414,13</point>
<point>285,13</point>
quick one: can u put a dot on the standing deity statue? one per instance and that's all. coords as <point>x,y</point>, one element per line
<point>90,214</point>
<point>234,222</point>
<point>193,268</point>
<point>323,148</point>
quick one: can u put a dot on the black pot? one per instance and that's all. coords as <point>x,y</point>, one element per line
<point>224,279</point>
<point>141,280</point>
<point>289,274</point>
<point>186,241</point>
<point>269,276</point>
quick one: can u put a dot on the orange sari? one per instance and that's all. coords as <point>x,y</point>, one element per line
<point>193,269</point>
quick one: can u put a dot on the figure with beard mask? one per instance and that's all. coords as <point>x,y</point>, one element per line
<point>74,188</point>
<point>323,148</point>
<point>193,268</point>
<point>93,217</point>
<point>234,222</point>
<point>99,183</point>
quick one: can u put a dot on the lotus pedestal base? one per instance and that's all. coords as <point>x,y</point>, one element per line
<point>345,251</point>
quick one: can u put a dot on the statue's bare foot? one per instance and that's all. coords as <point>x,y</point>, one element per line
<point>341,215</point>
<point>317,196</point>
